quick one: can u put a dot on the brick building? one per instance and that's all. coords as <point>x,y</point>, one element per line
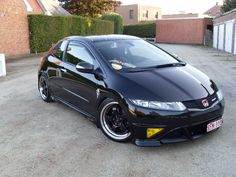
<point>188,28</point>
<point>136,13</point>
<point>14,31</point>
<point>183,31</point>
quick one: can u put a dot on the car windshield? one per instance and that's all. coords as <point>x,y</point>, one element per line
<point>133,54</point>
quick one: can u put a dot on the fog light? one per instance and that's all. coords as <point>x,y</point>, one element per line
<point>153,131</point>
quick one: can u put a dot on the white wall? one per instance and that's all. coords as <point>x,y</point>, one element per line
<point>221,37</point>
<point>229,36</point>
<point>2,65</point>
<point>215,36</point>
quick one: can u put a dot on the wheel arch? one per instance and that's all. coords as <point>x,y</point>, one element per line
<point>108,95</point>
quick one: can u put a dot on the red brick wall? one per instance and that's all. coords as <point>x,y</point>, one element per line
<point>14,34</point>
<point>181,31</point>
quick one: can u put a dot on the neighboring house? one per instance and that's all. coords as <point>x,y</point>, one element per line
<point>52,7</point>
<point>214,11</point>
<point>136,13</point>
<point>224,37</point>
<point>14,31</point>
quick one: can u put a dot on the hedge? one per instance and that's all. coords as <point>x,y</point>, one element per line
<point>147,30</point>
<point>117,19</point>
<point>47,30</point>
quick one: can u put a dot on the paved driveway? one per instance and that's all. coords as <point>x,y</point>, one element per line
<point>40,139</point>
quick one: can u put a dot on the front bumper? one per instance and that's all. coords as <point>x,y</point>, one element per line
<point>178,126</point>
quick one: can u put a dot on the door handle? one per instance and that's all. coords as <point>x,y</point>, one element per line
<point>63,70</point>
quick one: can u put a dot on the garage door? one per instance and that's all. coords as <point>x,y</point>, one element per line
<point>229,36</point>
<point>215,36</point>
<point>221,37</point>
<point>235,41</point>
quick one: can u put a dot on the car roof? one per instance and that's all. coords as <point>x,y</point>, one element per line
<point>102,37</point>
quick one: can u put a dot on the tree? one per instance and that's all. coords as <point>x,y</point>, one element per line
<point>91,8</point>
<point>228,5</point>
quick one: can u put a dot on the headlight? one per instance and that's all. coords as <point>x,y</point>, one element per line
<point>168,106</point>
<point>220,95</point>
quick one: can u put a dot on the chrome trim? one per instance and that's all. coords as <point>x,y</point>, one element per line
<point>76,95</point>
<point>63,70</point>
<point>213,99</point>
<point>196,109</point>
<point>79,67</point>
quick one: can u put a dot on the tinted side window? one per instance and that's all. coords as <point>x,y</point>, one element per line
<point>77,53</point>
<point>59,49</point>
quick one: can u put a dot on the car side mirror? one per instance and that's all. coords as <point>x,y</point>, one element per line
<point>85,67</point>
<point>98,74</point>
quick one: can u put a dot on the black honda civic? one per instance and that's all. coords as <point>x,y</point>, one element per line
<point>132,89</point>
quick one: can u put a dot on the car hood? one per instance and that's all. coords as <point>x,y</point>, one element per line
<point>166,84</point>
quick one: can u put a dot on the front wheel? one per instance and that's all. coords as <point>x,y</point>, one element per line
<point>113,121</point>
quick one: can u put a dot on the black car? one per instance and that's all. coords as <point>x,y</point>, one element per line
<point>132,89</point>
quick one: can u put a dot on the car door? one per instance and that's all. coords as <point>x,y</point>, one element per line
<point>55,65</point>
<point>79,88</point>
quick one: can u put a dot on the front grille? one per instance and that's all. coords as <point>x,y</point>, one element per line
<point>186,133</point>
<point>197,104</point>
<point>197,130</point>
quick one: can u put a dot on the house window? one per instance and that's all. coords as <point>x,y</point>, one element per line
<point>28,6</point>
<point>131,14</point>
<point>145,14</point>
<point>157,15</point>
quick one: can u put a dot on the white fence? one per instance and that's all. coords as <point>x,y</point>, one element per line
<point>2,65</point>
<point>224,36</point>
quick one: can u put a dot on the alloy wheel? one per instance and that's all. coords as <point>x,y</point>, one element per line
<point>114,122</point>
<point>43,88</point>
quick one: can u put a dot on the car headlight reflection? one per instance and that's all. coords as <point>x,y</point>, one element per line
<point>167,106</point>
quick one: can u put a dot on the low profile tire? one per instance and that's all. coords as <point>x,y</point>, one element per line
<point>113,121</point>
<point>44,89</point>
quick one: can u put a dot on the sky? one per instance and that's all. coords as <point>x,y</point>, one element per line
<point>175,6</point>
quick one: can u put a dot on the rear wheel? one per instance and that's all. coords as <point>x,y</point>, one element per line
<point>44,89</point>
<point>113,121</point>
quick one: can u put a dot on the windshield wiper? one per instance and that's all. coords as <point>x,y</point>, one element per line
<point>139,69</point>
<point>169,65</point>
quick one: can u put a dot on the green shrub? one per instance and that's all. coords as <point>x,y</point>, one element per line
<point>47,30</point>
<point>141,30</point>
<point>117,19</point>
